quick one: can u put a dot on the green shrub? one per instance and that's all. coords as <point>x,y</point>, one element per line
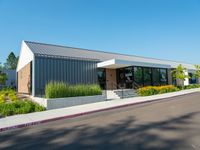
<point>60,89</point>
<point>2,99</point>
<point>7,91</point>
<point>19,107</point>
<point>153,90</point>
<point>145,91</point>
<point>13,97</point>
<point>192,86</point>
<point>16,106</point>
<point>9,94</point>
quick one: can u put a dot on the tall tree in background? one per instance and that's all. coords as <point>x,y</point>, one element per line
<point>11,61</point>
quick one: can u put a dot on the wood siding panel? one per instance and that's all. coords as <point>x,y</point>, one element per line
<point>111,78</point>
<point>24,79</point>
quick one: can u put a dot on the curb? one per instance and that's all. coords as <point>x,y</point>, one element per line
<point>82,114</point>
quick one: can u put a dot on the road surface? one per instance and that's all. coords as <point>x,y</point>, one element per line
<point>173,123</point>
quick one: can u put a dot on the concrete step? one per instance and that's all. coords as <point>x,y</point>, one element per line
<point>117,94</point>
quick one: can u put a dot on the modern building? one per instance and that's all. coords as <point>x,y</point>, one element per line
<point>41,63</point>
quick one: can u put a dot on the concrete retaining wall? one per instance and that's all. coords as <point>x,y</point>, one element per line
<point>67,102</point>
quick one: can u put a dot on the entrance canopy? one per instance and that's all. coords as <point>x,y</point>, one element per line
<point>118,63</point>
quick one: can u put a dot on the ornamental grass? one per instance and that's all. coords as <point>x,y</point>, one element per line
<point>61,89</point>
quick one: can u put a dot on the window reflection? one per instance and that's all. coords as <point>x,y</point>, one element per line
<point>128,77</point>
<point>138,75</point>
<point>192,79</point>
<point>102,77</point>
<point>156,76</point>
<point>147,76</point>
<point>163,76</point>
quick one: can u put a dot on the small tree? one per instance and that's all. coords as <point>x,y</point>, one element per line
<point>197,72</point>
<point>179,75</point>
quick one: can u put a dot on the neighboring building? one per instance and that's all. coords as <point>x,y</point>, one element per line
<point>11,78</point>
<point>11,81</point>
<point>41,63</point>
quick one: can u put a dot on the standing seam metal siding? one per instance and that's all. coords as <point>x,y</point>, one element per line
<point>68,70</point>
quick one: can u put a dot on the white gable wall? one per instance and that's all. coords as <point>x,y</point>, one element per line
<point>25,57</point>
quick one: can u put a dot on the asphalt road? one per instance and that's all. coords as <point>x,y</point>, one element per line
<point>163,125</point>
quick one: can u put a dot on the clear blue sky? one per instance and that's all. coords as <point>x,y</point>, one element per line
<point>167,29</point>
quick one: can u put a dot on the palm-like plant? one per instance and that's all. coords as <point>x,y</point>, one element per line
<point>197,72</point>
<point>179,74</point>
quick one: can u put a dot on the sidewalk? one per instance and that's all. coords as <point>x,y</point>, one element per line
<point>24,120</point>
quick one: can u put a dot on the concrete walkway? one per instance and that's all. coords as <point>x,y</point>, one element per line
<point>24,120</point>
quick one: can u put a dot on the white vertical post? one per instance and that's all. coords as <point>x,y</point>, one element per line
<point>33,76</point>
<point>186,82</point>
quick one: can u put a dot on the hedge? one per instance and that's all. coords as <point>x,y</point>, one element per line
<point>153,90</point>
<point>192,86</point>
<point>61,89</point>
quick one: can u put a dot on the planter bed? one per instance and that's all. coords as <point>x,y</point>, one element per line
<point>54,103</point>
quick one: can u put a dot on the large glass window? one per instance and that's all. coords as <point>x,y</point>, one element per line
<point>102,78</point>
<point>147,76</point>
<point>138,76</point>
<point>192,79</point>
<point>156,76</point>
<point>128,77</point>
<point>141,76</point>
<point>163,76</point>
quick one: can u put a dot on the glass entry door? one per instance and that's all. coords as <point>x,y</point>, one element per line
<point>125,77</point>
<point>128,75</point>
<point>120,77</point>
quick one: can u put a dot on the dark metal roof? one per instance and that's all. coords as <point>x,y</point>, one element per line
<point>64,51</point>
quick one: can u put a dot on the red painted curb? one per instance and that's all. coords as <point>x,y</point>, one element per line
<point>78,114</point>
